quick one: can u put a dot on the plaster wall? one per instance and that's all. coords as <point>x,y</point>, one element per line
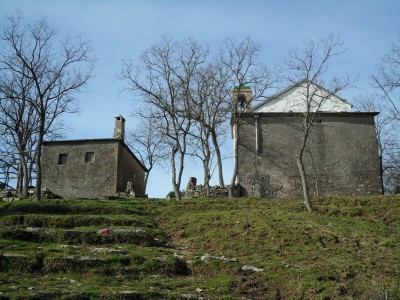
<point>343,158</point>
<point>293,100</point>
<point>77,178</point>
<point>129,169</point>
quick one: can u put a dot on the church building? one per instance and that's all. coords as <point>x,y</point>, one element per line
<point>341,155</point>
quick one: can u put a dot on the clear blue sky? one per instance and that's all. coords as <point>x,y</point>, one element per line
<point>123,29</point>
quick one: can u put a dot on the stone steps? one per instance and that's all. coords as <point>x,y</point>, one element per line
<point>88,252</point>
<point>122,263</point>
<point>73,236</point>
<point>73,221</point>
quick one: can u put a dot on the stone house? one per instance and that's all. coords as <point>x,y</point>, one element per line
<point>92,168</point>
<point>342,156</point>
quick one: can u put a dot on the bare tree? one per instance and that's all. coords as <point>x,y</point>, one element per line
<point>392,172</point>
<point>57,73</point>
<point>388,78</point>
<point>310,66</point>
<point>9,163</point>
<point>386,136</point>
<point>241,61</point>
<point>210,111</point>
<point>147,143</point>
<point>18,119</point>
<point>163,82</point>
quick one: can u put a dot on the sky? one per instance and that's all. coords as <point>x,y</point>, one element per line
<point>123,29</point>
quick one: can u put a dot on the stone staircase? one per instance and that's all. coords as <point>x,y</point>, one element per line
<point>86,250</point>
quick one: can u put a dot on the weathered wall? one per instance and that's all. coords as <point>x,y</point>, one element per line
<point>129,169</point>
<point>78,179</point>
<point>343,148</point>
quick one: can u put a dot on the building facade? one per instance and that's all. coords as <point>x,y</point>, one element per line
<point>92,168</point>
<point>341,156</point>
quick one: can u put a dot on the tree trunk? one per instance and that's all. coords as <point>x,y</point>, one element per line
<point>173,168</point>
<point>38,189</point>
<point>181,166</point>
<point>381,174</point>
<point>304,185</point>
<point>25,177</point>
<point>315,175</point>
<point>219,158</point>
<point>235,161</point>
<point>20,178</point>
<point>207,178</point>
<point>146,177</point>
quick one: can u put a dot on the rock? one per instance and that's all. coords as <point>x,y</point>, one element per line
<point>7,227</point>
<point>81,258</point>
<point>110,251</point>
<point>104,231</point>
<point>251,268</point>
<point>14,255</point>
<point>189,296</point>
<point>208,257</point>
<point>176,255</point>
<point>129,294</point>
<point>68,246</point>
<point>108,231</point>
<point>162,258</point>
<point>191,184</point>
<point>39,229</point>
<point>122,231</point>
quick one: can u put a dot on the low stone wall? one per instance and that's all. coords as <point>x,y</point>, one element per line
<point>13,195</point>
<point>8,195</point>
<point>201,191</point>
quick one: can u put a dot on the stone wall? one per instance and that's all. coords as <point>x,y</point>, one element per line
<point>343,160</point>
<point>10,195</point>
<point>198,191</point>
<point>78,178</point>
<point>130,172</point>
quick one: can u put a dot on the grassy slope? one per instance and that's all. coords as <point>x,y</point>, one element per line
<point>348,249</point>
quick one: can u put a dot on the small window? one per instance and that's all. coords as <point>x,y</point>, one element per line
<point>89,157</point>
<point>62,159</point>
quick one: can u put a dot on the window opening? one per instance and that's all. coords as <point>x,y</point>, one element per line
<point>89,157</point>
<point>62,159</point>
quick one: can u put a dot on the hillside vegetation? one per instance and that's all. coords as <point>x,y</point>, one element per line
<point>200,249</point>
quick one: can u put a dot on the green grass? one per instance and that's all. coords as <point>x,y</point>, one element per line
<point>348,249</point>
<point>344,250</point>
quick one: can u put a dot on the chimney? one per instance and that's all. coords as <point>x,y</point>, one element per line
<point>119,129</point>
<point>243,95</point>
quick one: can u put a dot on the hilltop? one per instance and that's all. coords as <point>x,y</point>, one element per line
<point>200,249</point>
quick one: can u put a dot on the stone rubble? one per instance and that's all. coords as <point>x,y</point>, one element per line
<point>252,268</point>
<point>81,258</point>
<point>12,195</point>
<point>197,191</point>
<point>39,229</point>
<point>208,257</point>
<point>108,231</point>
<point>69,247</point>
<point>110,251</point>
